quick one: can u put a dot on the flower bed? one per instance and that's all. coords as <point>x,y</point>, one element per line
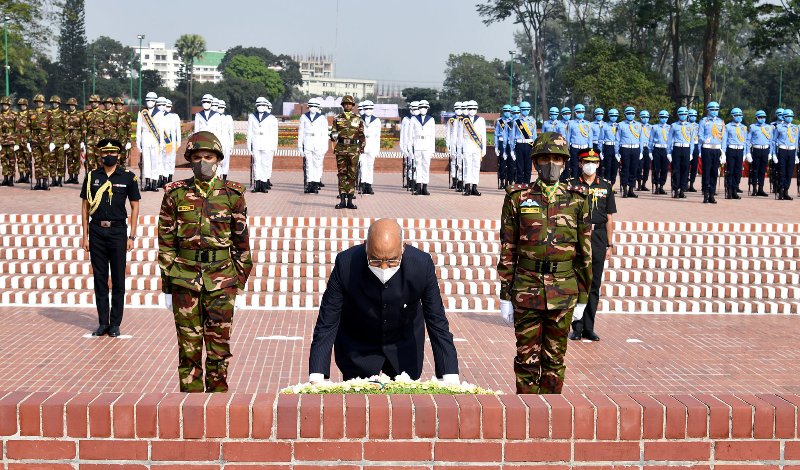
<point>383,385</point>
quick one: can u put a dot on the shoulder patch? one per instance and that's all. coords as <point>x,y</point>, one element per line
<point>513,188</point>
<point>175,185</point>
<point>235,186</point>
<point>574,188</point>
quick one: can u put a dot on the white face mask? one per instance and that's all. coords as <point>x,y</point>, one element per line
<point>313,110</point>
<point>214,108</point>
<point>423,111</point>
<point>369,112</point>
<point>473,112</point>
<point>168,109</point>
<point>261,109</point>
<point>415,112</point>
<point>459,112</point>
<point>206,106</point>
<point>221,110</point>
<point>384,275</point>
<point>161,107</point>
<point>590,168</point>
<point>150,104</point>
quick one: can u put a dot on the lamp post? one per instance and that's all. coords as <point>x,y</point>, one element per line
<point>94,72</point>
<point>511,78</point>
<point>130,72</point>
<point>141,36</point>
<point>5,34</point>
<point>780,88</point>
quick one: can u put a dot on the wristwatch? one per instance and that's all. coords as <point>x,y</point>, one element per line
<point>610,246</point>
<point>132,237</point>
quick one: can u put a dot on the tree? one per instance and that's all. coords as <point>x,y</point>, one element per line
<point>287,68</point>
<point>472,77</point>
<point>532,15</point>
<point>430,94</point>
<point>112,59</point>
<point>151,80</point>
<point>776,29</point>
<point>253,69</point>
<point>72,48</point>
<point>190,47</point>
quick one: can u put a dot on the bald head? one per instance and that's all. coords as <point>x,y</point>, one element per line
<point>385,240</point>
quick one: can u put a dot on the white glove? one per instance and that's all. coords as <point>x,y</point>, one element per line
<point>722,159</point>
<point>774,159</point>
<point>669,157</point>
<point>451,379</point>
<point>128,146</point>
<point>602,156</point>
<point>16,147</point>
<point>316,378</point>
<point>748,158</point>
<point>691,156</point>
<point>507,312</point>
<point>641,156</point>
<point>66,146</point>
<point>513,156</point>
<point>796,160</point>
<point>52,146</point>
<point>83,146</point>
<point>577,314</point>
<point>619,158</point>
<point>28,145</point>
<point>239,303</point>
<point>168,301</point>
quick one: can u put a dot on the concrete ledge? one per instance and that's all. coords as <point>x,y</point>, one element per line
<point>65,430</point>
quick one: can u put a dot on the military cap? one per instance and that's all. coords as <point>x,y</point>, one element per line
<point>457,105</point>
<point>598,111</point>
<point>713,106</point>
<point>692,112</point>
<point>566,110</point>
<point>39,97</point>
<point>788,113</point>
<point>118,100</point>
<point>663,114</point>
<point>5,100</point>
<point>579,108</point>
<point>203,140</point>
<point>151,96</point>
<point>630,110</point>
<point>415,105</point>
<point>779,112</point>
<point>525,105</point>
<point>644,113</point>
<point>94,99</point>
<point>761,113</point>
<point>263,101</point>
<point>553,111</point>
<point>222,104</point>
<point>515,109</point>
<point>613,112</point>
<point>55,99</point>
<point>108,100</point>
<point>161,100</point>
<point>683,110</point>
<point>22,102</point>
<point>169,103</point>
<point>109,146</point>
<point>550,143</point>
<point>735,112</point>
<point>348,99</point>
<point>424,104</point>
<point>588,155</point>
<point>72,101</point>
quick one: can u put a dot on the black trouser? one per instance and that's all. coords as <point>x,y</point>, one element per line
<point>610,164</point>
<point>573,169</point>
<point>694,164</point>
<point>680,168</point>
<point>785,167</point>
<point>660,166</point>
<point>629,163</point>
<point>710,169</point>
<point>108,247</point>
<point>585,325</point>
<point>643,174</point>
<point>508,168</point>
<point>733,167</point>
<point>760,159</point>
<point>524,163</point>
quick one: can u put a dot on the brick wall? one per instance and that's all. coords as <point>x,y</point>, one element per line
<point>242,431</point>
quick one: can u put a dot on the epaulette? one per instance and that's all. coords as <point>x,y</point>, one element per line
<point>135,178</point>
<point>577,188</point>
<point>512,188</point>
<point>175,185</point>
<point>235,186</point>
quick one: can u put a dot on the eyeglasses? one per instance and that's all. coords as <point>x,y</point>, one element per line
<point>377,263</point>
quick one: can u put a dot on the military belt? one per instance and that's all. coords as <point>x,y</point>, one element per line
<point>712,146</point>
<point>660,146</point>
<point>760,147</point>
<point>630,146</point>
<point>786,147</point>
<point>344,141</point>
<point>680,144</point>
<point>109,223</point>
<point>205,256</point>
<point>544,267</point>
<point>736,147</point>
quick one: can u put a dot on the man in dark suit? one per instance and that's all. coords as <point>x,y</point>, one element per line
<point>380,298</point>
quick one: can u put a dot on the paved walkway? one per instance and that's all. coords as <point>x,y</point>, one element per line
<point>44,349</point>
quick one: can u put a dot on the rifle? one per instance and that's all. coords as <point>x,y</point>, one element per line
<point>141,169</point>
<point>405,169</point>
<point>252,163</point>
<point>724,170</point>
<point>414,174</point>
<point>751,181</point>
<point>305,171</point>
<point>449,170</point>
<point>771,172</point>
<point>358,179</point>
<point>31,176</point>
<point>499,167</point>
<point>461,168</point>
<point>777,176</point>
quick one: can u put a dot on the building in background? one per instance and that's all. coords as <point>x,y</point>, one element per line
<point>319,79</point>
<point>156,56</point>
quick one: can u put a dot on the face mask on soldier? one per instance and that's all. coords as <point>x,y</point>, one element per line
<point>150,104</point>
<point>369,112</point>
<point>423,111</point>
<point>415,112</point>
<point>206,106</point>
<point>110,160</point>
<point>590,168</point>
<point>204,170</point>
<point>549,171</point>
<point>473,112</point>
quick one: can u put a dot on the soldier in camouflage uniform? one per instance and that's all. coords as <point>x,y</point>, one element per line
<point>204,255</point>
<point>348,134</point>
<point>9,141</point>
<point>545,266</point>
<point>58,136</point>
<point>23,137</point>
<point>93,130</point>
<point>123,130</point>
<point>74,130</point>
<point>41,145</point>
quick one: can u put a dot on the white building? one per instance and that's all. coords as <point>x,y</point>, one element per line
<point>319,79</point>
<point>156,56</point>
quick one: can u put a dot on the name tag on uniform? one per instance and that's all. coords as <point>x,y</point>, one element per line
<point>530,210</point>
<point>185,208</point>
<point>120,185</point>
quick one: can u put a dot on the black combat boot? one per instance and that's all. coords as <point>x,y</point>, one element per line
<point>739,191</point>
<point>624,191</point>
<point>691,188</point>
<point>5,181</point>
<point>38,185</point>
<point>264,187</point>
<point>705,197</point>
<point>11,181</point>
<point>761,191</point>
<point>425,190</point>
<point>342,202</point>
<point>320,185</point>
<point>735,193</point>
<point>350,204</point>
<point>257,187</point>
<point>475,190</point>
<point>712,198</point>
<point>315,187</point>
<point>455,183</point>
<point>643,187</point>
<point>681,194</point>
<point>467,190</point>
<point>269,184</point>
<point>54,182</point>
<point>786,196</point>
<point>169,179</point>
<point>417,189</point>
<point>631,193</point>
<point>460,186</point>
<point>21,178</point>
<point>45,185</point>
<point>369,189</point>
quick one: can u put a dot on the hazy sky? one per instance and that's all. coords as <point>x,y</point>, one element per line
<point>397,41</point>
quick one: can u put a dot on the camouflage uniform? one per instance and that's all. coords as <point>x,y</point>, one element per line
<point>123,131</point>
<point>58,135</point>
<point>93,130</point>
<point>8,139</point>
<point>39,122</point>
<point>24,139</point>
<point>348,133</point>
<point>204,255</point>
<point>544,268</point>
<point>74,130</point>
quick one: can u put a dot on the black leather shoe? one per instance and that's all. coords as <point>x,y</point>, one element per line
<point>350,204</point>
<point>101,330</point>
<point>592,336</point>
<point>574,336</point>
<point>113,331</point>
<point>342,202</point>
<point>691,189</point>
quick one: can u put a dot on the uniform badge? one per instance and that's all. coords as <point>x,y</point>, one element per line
<point>185,208</point>
<point>529,203</point>
<point>135,178</point>
<point>354,122</point>
<point>530,210</point>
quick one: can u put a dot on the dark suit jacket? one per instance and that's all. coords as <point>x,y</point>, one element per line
<point>371,323</point>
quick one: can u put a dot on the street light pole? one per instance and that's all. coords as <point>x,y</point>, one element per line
<point>141,36</point>
<point>130,72</point>
<point>780,89</point>
<point>94,72</point>
<point>511,79</point>
<point>5,34</point>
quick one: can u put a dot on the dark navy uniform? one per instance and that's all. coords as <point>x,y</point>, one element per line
<point>600,196</point>
<point>108,236</point>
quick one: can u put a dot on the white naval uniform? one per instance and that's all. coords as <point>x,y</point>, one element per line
<point>472,151</point>
<point>262,141</point>
<point>226,140</point>
<point>372,147</point>
<point>422,133</point>
<point>209,121</point>
<point>405,145</point>
<point>172,128</point>
<point>451,139</point>
<point>312,141</point>
<point>150,145</point>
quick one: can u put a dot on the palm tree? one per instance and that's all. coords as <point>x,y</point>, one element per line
<point>190,47</point>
